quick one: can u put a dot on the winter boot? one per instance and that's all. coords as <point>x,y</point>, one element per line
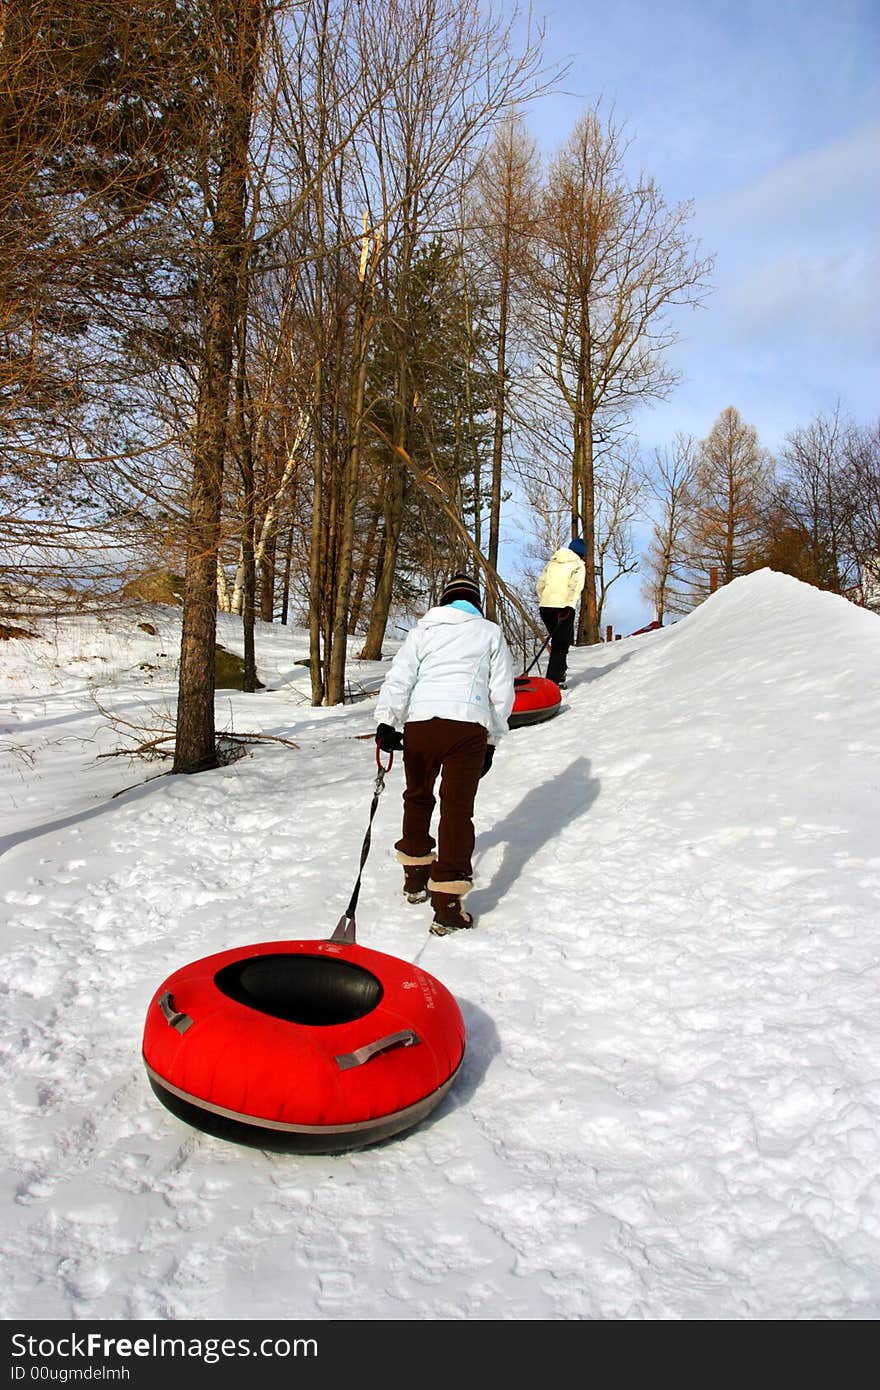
<point>416,872</point>
<point>415,882</point>
<point>449,915</point>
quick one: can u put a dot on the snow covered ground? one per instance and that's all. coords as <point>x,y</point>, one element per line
<point>669,1106</point>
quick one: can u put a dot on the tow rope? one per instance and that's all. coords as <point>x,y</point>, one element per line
<point>346,927</point>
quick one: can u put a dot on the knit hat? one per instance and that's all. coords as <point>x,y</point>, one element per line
<point>461,586</point>
<point>578,547</point>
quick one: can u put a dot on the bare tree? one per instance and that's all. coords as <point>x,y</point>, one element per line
<point>619,497</point>
<point>619,492</point>
<point>616,260</point>
<point>812,500</point>
<point>426,138</point>
<point>862,525</point>
<point>505,212</point>
<point>672,483</point>
<point>328,89</point>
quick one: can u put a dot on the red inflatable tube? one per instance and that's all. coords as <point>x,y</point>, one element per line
<point>307,1046</point>
<point>535,698</point>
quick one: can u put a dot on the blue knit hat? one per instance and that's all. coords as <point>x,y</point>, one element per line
<point>578,547</point>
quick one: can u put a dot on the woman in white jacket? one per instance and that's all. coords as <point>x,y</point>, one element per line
<point>450,689</point>
<point>559,587</point>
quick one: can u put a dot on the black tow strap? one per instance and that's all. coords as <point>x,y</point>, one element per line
<point>346,927</point>
<point>538,653</point>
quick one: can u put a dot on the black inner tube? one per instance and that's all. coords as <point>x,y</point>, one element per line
<point>314,990</point>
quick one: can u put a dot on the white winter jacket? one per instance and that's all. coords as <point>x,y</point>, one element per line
<point>453,665</point>
<point>562,580</point>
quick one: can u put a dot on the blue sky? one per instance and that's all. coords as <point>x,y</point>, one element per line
<point>767,117</point>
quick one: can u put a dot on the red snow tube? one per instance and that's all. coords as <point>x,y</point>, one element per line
<point>535,699</point>
<point>302,1046</point>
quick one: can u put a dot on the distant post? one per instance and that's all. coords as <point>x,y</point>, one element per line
<point>609,633</point>
<point>713,580</point>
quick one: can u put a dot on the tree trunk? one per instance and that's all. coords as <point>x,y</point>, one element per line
<point>317,555</point>
<point>195,745</point>
<point>366,565</point>
<point>249,675</point>
<point>268,527</point>
<point>349,490</point>
<point>267,579</point>
<point>590,605</point>
<point>500,410</point>
<point>224,603</point>
<point>394,495</point>
<point>316,548</point>
<point>246,466</point>
<point>393,511</point>
<point>285,592</point>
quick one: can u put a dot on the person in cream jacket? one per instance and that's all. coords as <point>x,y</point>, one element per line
<point>559,587</point>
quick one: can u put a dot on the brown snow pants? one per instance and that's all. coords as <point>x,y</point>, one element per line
<point>457,749</point>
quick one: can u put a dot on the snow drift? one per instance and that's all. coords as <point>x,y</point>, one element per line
<point>669,1106</point>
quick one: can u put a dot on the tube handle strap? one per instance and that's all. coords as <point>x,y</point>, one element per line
<point>175,1019</point>
<point>405,1038</point>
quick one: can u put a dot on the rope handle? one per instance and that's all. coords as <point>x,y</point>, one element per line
<point>346,927</point>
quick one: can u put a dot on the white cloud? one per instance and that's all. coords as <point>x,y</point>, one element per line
<point>833,184</point>
<point>831,295</point>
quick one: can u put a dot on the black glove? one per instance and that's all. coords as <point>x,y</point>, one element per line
<point>487,761</point>
<point>565,614</point>
<point>388,739</point>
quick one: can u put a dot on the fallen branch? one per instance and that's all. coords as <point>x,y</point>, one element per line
<point>151,747</point>
<point>147,749</point>
<point>259,738</point>
<point>166,733</point>
<point>123,790</point>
